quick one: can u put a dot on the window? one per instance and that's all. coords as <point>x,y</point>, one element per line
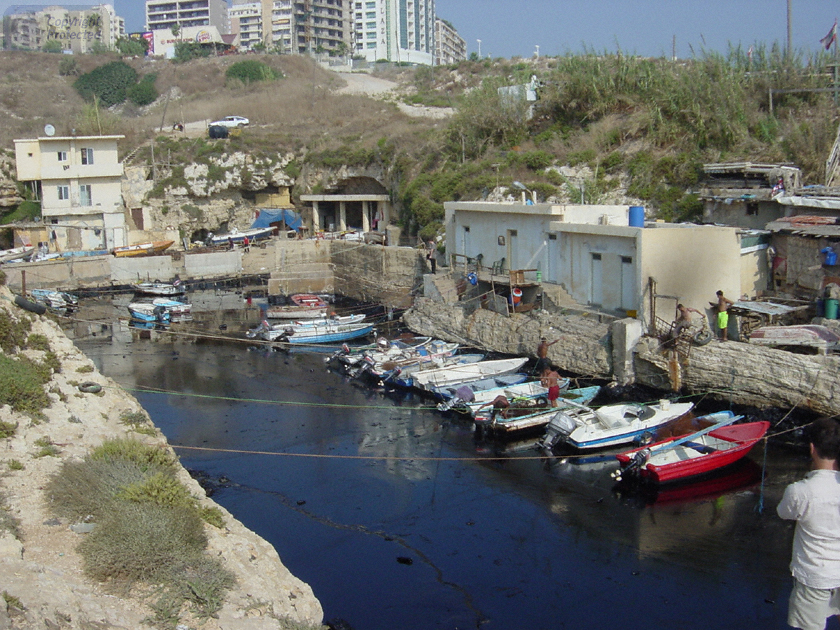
<point>62,156</point>
<point>63,192</point>
<point>84,195</point>
<point>752,209</point>
<point>552,237</point>
<point>596,256</point>
<point>87,156</point>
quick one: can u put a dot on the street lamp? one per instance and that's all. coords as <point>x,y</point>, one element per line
<point>479,48</point>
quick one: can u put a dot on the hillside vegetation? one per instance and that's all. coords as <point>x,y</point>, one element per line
<point>606,128</point>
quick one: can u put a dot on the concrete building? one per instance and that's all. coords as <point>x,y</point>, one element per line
<point>248,22</point>
<point>595,256</point>
<point>167,14</point>
<point>308,26</point>
<point>78,178</point>
<point>450,47</point>
<point>77,28</point>
<point>400,31</point>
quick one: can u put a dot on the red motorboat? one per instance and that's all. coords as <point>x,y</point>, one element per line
<point>700,453</point>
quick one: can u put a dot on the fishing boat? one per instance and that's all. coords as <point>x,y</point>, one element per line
<point>532,413</point>
<point>16,253</point>
<point>330,333</point>
<point>176,308</point>
<point>695,454</point>
<point>404,375</point>
<point>347,355</point>
<point>253,234</point>
<point>478,385</point>
<point>521,391</point>
<point>820,338</point>
<point>380,363</point>
<point>142,249</point>
<point>55,300</point>
<point>269,332</point>
<point>611,425</point>
<point>441,377</point>
<point>39,256</point>
<point>159,288</point>
<point>145,312</point>
<point>303,306</point>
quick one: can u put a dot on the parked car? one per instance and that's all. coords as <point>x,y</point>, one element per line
<point>231,122</point>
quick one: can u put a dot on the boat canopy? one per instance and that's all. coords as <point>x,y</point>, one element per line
<point>276,215</point>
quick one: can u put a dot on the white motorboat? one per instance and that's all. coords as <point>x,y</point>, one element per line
<point>427,379</point>
<point>611,425</point>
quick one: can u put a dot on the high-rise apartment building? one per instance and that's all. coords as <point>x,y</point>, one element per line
<point>401,31</point>
<point>248,21</point>
<point>449,46</point>
<point>292,26</point>
<point>77,28</point>
<point>166,14</point>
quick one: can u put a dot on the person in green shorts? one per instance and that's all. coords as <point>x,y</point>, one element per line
<point>722,306</point>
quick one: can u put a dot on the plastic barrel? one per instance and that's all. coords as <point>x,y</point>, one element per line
<point>637,216</point>
<point>831,309</point>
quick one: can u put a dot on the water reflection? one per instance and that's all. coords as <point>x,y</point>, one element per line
<point>499,536</point>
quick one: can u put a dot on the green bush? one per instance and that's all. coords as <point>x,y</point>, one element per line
<point>144,92</point>
<point>109,83</point>
<point>250,71</point>
<point>127,449</point>
<point>22,385</point>
<point>7,429</point>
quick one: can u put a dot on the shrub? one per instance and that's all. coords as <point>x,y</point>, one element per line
<point>7,429</point>
<point>13,332</point>
<point>250,71</point>
<point>537,160</point>
<point>109,83</point>
<point>22,385</point>
<point>68,66</point>
<point>143,93</point>
<point>8,523</point>
<point>15,464</point>
<point>127,449</point>
<point>38,342</point>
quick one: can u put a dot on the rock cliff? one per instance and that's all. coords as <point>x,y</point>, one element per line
<point>40,566</point>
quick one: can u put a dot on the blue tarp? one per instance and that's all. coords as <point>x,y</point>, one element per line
<point>275,215</point>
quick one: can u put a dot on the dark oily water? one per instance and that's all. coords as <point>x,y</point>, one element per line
<point>399,518</point>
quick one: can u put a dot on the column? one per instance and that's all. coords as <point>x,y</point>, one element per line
<point>316,218</point>
<point>342,216</point>
<point>365,216</point>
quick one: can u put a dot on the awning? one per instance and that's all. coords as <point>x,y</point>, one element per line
<point>268,216</point>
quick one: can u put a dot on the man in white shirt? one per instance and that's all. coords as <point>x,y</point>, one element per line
<point>814,503</point>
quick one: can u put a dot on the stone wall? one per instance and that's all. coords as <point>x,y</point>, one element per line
<point>389,275</point>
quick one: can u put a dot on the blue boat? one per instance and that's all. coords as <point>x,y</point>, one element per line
<point>330,333</point>
<point>145,312</point>
<point>445,392</point>
<point>532,413</point>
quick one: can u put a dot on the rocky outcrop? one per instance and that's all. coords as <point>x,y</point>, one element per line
<point>40,566</point>
<point>9,196</point>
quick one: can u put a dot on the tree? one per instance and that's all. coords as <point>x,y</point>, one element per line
<point>129,47</point>
<point>53,46</point>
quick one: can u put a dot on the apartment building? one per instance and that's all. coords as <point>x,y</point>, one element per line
<point>400,31</point>
<point>248,21</point>
<point>449,46</point>
<point>79,178</point>
<point>77,28</point>
<point>166,14</point>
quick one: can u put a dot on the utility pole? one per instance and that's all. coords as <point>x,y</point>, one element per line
<point>790,29</point>
<point>479,48</point>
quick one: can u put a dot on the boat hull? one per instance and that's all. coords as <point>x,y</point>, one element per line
<point>726,445</point>
<point>142,249</point>
<point>541,417</point>
<point>341,333</point>
<point>158,288</point>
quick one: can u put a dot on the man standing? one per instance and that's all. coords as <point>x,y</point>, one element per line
<point>542,355</point>
<point>551,379</point>
<point>683,319</point>
<point>722,305</point>
<point>430,255</point>
<point>246,244</point>
<point>814,503</point>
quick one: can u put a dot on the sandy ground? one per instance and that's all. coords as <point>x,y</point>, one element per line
<point>361,83</point>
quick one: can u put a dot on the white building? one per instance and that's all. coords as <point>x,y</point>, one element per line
<point>247,21</point>
<point>77,28</point>
<point>80,189</point>
<point>400,31</point>
<point>450,47</point>
<point>166,14</point>
<point>599,259</point>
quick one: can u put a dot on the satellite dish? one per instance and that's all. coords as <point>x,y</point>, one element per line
<point>49,130</point>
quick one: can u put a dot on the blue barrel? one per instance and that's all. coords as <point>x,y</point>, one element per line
<point>831,309</point>
<point>637,216</point>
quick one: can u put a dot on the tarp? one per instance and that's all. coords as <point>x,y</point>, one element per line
<point>275,215</point>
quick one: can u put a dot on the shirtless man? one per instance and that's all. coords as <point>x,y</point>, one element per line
<point>551,379</point>
<point>722,307</point>
<point>542,354</point>
<point>683,319</point>
<point>500,406</point>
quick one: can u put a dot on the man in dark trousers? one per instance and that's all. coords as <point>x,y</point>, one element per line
<point>814,503</point>
<point>430,255</point>
<point>542,355</point>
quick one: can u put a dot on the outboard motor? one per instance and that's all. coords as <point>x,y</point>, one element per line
<point>462,397</point>
<point>344,350</point>
<point>161,314</point>
<point>559,428</point>
<point>363,366</point>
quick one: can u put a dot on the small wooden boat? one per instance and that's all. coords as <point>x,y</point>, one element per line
<point>159,288</point>
<point>440,377</point>
<point>176,308</point>
<point>814,336</point>
<point>381,363</point>
<point>348,356</point>
<point>55,300</point>
<point>142,249</point>
<point>16,253</point>
<point>699,453</point>
<point>145,312</point>
<point>611,425</point>
<point>404,375</point>
<point>303,306</point>
<point>522,391</point>
<point>478,385</point>
<point>533,413</point>
<point>330,333</point>
<point>269,332</point>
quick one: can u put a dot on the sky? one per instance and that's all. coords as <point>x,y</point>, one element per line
<point>509,28</point>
